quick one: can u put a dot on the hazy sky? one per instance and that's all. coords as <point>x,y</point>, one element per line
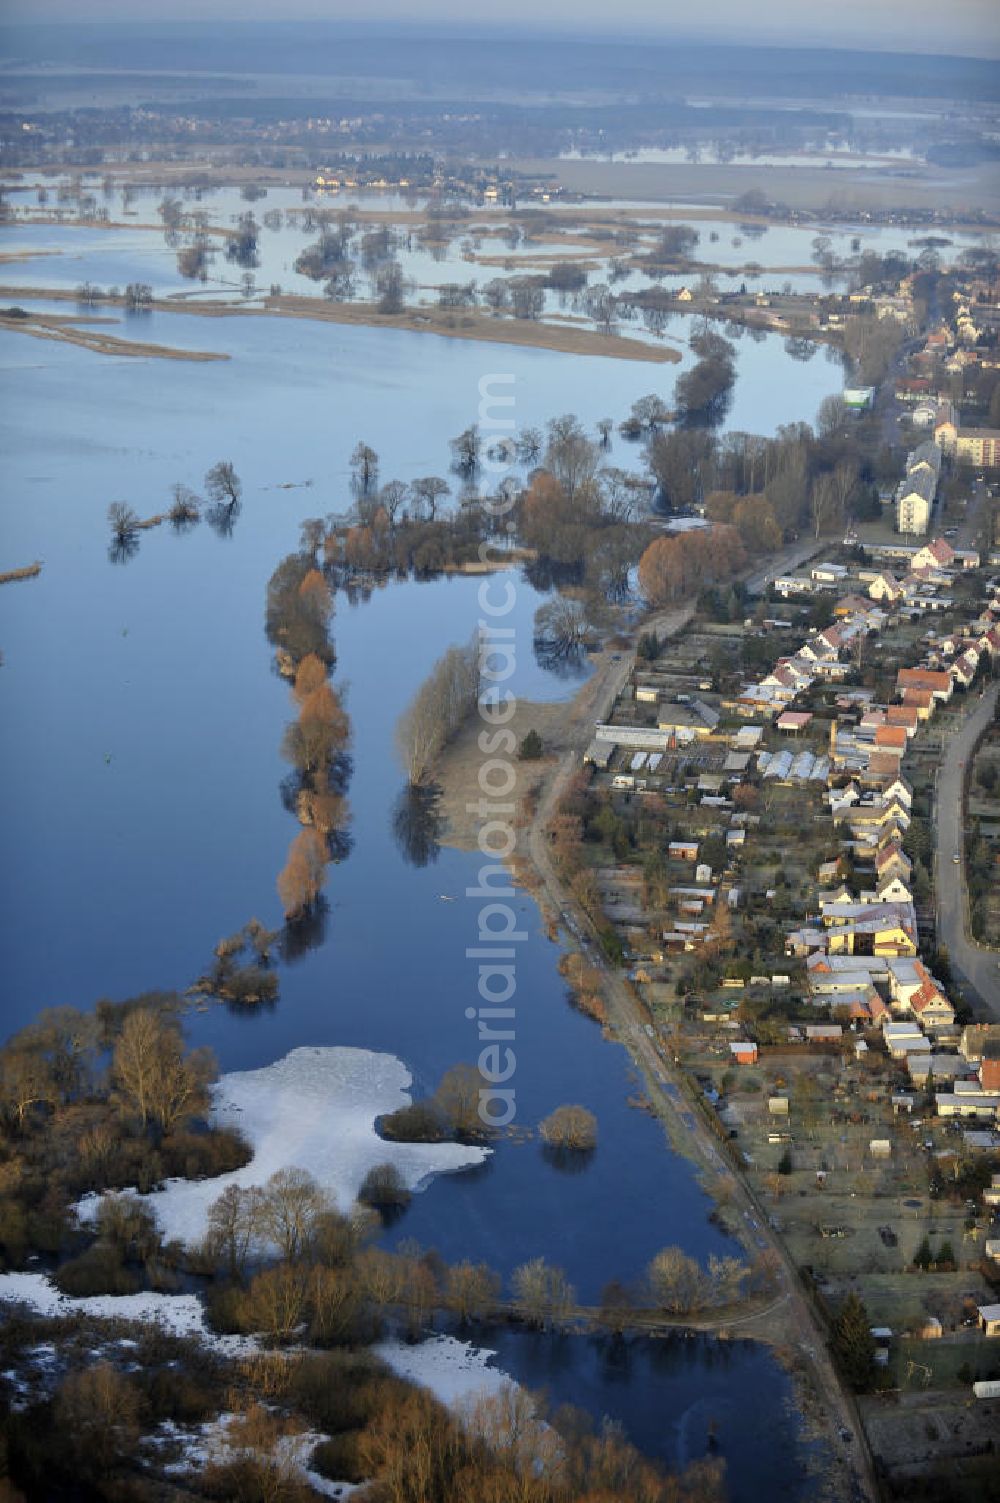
<point>969,27</point>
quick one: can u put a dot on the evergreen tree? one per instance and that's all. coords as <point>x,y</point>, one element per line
<point>923,1257</point>
<point>852,1344</point>
<point>531,747</point>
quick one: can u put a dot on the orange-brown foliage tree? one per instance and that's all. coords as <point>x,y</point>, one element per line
<point>301,879</point>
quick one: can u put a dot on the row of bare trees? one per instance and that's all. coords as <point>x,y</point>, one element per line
<point>223,488</point>
<point>438,710</point>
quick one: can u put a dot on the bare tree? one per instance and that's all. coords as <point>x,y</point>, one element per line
<point>97,1412</point>
<point>223,485</point>
<point>529,445</point>
<point>25,1081</point>
<point>235,1223</point>
<point>472,1291</point>
<point>457,1099</point>
<point>364,463</point>
<point>562,627</point>
<point>437,710</point>
<point>543,1295</point>
<point>292,1200</point>
<point>392,498</point>
<point>153,1076</point>
<point>185,508</point>
<point>823,502</point>
<point>676,1282</point>
<point>466,449</point>
<point>428,492</point>
<point>726,1277</point>
<point>123,521</point>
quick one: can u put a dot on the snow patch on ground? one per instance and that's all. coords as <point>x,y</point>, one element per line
<point>454,1371</point>
<point>178,1314</point>
<point>314,1110</point>
<point>214,1441</point>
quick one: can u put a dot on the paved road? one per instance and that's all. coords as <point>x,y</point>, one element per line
<point>979,968</point>
<point>783,563</point>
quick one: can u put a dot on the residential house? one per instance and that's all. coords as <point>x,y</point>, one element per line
<point>936,555</point>
<point>925,680</point>
<point>886,588</point>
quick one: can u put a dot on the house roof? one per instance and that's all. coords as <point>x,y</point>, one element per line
<point>922,678</point>
<point>891,735</point>
<point>883,762</point>
<point>941,550</point>
<point>793,720</point>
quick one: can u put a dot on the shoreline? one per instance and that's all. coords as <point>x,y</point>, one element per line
<point>63,330</point>
<point>790,1326</point>
<point>479,327</point>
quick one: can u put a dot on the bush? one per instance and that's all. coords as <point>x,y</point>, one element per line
<point>177,1395</point>
<point>337,1458</point>
<point>384,1188</point>
<point>98,1270</point>
<point>421,1122</point>
<point>570,1127</point>
<point>338,1391</point>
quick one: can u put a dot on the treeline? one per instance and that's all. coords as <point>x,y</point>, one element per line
<point>586,522</point>
<point>678,567</point>
<point>328,1283</point>
<point>702,393</point>
<point>96,1100</point>
<point>789,471</point>
<point>438,710</point>
<point>297,620</point>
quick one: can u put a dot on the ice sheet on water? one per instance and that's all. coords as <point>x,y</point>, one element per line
<point>454,1371</point>
<point>315,1109</point>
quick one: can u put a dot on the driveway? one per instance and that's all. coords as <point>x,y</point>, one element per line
<point>977,967</point>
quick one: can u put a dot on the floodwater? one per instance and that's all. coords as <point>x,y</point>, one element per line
<point>141,768</point>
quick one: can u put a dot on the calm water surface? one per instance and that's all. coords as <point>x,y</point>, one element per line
<point>139,750</point>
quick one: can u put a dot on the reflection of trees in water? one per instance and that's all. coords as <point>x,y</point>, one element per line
<point>562,662</point>
<point>545,574</point>
<point>417,824</point>
<point>222,516</point>
<point>800,349</point>
<point>306,932</point>
<point>568,1160</point>
<point>124,548</point>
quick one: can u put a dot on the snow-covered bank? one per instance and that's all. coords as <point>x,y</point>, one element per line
<point>219,1441</point>
<point>454,1371</point>
<point>314,1110</point>
<point>179,1314</point>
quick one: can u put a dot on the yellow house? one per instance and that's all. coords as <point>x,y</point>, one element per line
<point>870,938</point>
